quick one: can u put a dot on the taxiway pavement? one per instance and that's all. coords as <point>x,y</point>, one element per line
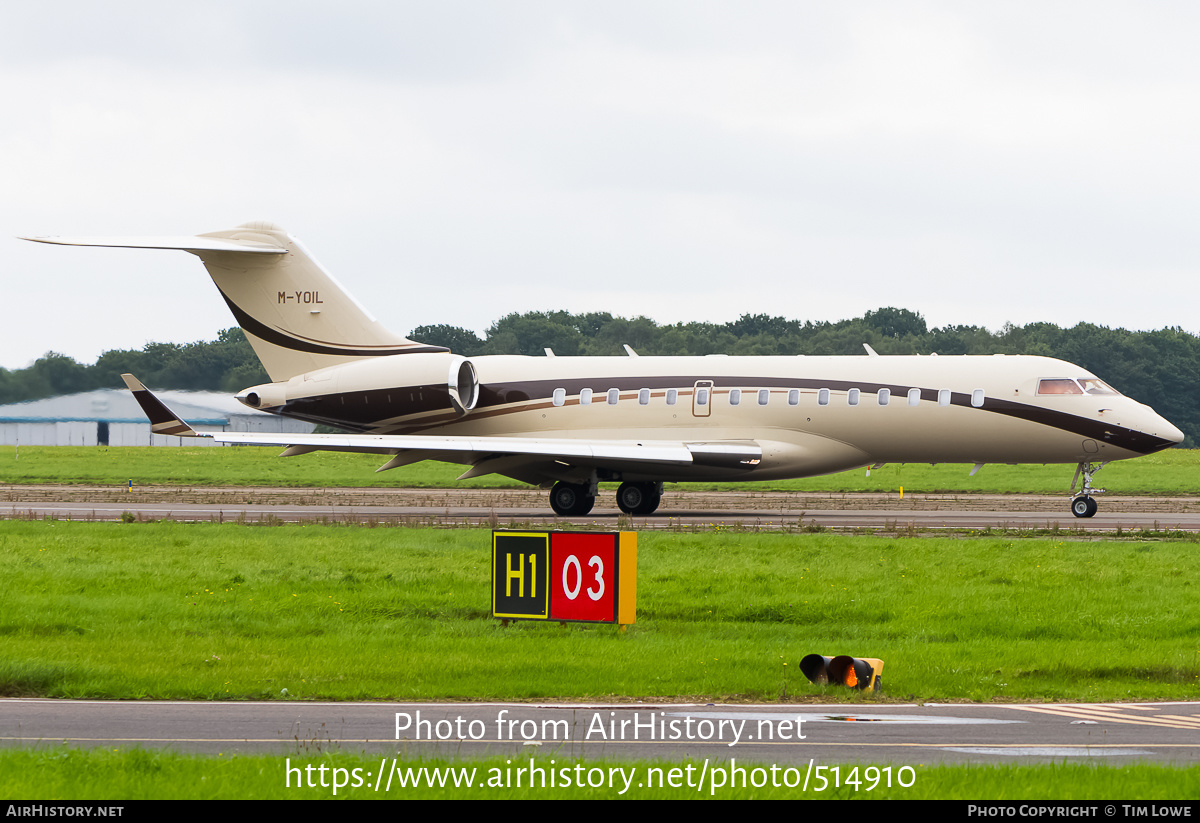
<point>866,733</point>
<point>680,509</point>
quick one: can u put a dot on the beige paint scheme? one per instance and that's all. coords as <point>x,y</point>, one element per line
<point>332,352</point>
<point>800,440</point>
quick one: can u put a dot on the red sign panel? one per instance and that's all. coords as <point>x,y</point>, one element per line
<point>583,575</point>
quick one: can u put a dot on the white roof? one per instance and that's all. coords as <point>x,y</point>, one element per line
<point>118,406</point>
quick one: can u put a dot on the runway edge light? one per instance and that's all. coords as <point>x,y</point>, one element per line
<point>863,673</point>
<point>816,668</point>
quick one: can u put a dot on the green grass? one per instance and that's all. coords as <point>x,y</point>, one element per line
<point>204,611</point>
<point>241,612</point>
<point>136,774</point>
<point>1171,472</point>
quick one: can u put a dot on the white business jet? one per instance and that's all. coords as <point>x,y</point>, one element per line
<point>569,423</point>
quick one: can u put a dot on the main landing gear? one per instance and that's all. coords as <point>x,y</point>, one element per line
<point>572,499</point>
<point>639,498</point>
<point>577,499</point>
<point>1083,504</point>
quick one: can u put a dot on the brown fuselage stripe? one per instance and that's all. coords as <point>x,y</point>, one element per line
<point>365,410</point>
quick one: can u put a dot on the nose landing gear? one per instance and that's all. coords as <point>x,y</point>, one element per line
<point>1083,504</point>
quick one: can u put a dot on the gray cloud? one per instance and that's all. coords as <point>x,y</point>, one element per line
<point>451,162</point>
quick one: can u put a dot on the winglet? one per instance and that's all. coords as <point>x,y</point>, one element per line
<point>162,419</point>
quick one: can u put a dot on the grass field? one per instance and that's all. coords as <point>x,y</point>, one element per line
<point>203,611</point>
<point>132,774</point>
<point>1171,472</point>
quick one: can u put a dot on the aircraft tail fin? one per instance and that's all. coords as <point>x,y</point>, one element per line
<point>296,315</point>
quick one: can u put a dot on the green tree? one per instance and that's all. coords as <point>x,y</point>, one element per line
<point>457,340</point>
<point>891,322</point>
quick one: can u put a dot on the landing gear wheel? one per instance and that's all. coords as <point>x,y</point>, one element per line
<point>571,500</point>
<point>1084,506</point>
<point>638,498</point>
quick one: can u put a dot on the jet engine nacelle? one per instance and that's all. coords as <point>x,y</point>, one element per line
<point>440,371</point>
<point>463,384</point>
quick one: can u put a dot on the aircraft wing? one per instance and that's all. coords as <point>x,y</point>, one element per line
<point>648,451</point>
<point>525,456</point>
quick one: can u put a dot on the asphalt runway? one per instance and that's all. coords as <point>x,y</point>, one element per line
<point>680,509</point>
<point>781,734</point>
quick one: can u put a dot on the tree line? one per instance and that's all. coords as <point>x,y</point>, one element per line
<point>1160,368</point>
<point>225,364</point>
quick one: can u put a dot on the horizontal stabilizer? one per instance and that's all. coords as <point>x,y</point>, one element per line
<point>162,419</point>
<point>296,316</point>
<point>192,244</point>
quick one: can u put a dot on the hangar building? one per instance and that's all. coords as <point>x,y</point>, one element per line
<point>111,417</point>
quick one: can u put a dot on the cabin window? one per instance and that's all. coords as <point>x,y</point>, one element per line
<point>852,397</point>
<point>613,396</point>
<point>914,397</point>
<point>643,397</point>
<point>977,398</point>
<point>585,397</point>
<point>735,396</point>
<point>884,396</point>
<point>794,397</point>
<point>763,397</point>
<point>823,397</point>
<point>943,397</point>
<point>672,396</point>
<point>559,397</point>
<point>701,397</point>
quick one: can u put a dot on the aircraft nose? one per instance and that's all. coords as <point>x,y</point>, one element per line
<point>1162,430</point>
<point>1170,432</point>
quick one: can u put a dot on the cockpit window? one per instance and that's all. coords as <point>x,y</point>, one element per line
<point>1059,385</point>
<point>1067,385</point>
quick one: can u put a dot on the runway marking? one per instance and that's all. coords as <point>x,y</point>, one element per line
<point>842,716</point>
<point>1048,751</point>
<point>1113,714</point>
<point>1194,718</point>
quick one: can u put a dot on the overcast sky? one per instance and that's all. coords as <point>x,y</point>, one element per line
<point>451,162</point>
